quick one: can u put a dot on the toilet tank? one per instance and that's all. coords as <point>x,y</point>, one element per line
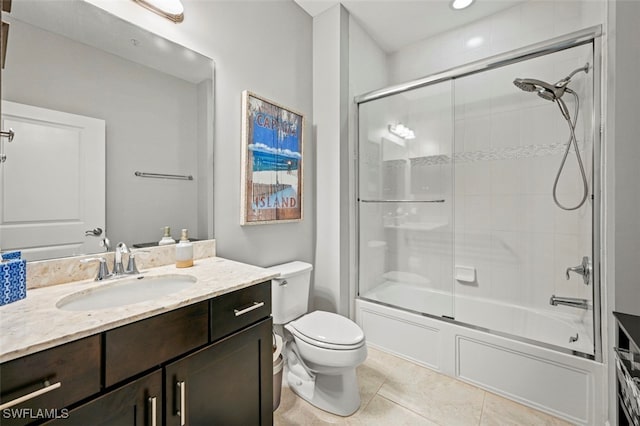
<point>290,291</point>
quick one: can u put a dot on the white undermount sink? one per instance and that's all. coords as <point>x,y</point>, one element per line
<point>125,292</point>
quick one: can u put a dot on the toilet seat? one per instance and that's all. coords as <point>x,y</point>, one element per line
<point>327,330</point>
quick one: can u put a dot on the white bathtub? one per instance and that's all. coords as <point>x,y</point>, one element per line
<point>546,327</point>
<point>545,377</point>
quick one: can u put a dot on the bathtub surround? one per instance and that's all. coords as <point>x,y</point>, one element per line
<point>499,166</point>
<point>44,273</point>
<point>560,384</point>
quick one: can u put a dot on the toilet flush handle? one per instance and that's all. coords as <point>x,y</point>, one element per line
<point>283,283</point>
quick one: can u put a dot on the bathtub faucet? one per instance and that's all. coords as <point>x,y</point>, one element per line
<point>569,301</point>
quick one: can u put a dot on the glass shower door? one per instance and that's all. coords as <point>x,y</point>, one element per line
<point>509,147</point>
<point>405,208</point>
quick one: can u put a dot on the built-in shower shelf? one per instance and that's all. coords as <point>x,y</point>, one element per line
<point>402,201</point>
<point>418,226</point>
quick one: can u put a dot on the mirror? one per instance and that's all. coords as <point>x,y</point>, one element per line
<point>72,60</point>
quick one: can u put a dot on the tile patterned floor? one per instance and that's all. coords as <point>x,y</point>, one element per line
<point>398,392</point>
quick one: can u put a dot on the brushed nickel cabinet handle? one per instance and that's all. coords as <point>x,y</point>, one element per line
<point>255,305</point>
<point>182,403</point>
<point>153,419</point>
<point>21,399</point>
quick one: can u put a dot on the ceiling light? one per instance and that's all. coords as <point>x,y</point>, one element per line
<point>461,4</point>
<point>475,42</point>
<point>401,131</point>
<point>170,9</point>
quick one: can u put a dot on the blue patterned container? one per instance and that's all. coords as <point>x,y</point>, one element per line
<point>13,281</point>
<point>10,255</point>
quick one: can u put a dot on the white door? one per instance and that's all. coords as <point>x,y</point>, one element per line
<point>52,184</point>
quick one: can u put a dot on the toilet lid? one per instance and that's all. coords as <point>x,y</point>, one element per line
<point>327,327</point>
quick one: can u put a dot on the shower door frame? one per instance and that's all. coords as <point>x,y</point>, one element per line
<point>591,35</point>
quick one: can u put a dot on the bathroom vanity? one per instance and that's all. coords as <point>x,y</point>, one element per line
<point>202,356</point>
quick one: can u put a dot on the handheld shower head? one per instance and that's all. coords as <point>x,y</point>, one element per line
<point>524,84</point>
<point>547,91</point>
<point>554,93</point>
<point>531,84</point>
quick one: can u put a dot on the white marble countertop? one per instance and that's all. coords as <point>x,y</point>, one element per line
<point>35,323</point>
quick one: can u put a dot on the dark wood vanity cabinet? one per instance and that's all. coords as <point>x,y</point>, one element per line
<point>130,375</point>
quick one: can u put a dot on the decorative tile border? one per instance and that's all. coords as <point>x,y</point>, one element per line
<point>507,153</point>
<point>44,273</point>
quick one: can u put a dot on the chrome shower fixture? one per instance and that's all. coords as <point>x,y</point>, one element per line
<point>551,92</point>
<point>554,93</point>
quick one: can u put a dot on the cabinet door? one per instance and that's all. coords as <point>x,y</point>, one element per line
<point>227,383</point>
<point>138,403</point>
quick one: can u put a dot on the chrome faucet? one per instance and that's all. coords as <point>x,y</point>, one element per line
<point>118,267</point>
<point>103,269</point>
<point>569,301</point>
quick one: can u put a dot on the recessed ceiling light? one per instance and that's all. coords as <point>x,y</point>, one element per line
<point>461,4</point>
<point>475,42</point>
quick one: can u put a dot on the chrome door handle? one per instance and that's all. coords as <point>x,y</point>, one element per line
<point>182,402</point>
<point>255,305</point>
<point>153,418</point>
<point>583,269</point>
<point>47,388</point>
<point>5,134</point>
<point>9,134</point>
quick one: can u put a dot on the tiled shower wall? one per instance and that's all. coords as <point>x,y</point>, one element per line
<point>508,146</point>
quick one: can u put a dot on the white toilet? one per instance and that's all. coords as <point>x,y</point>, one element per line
<point>323,349</point>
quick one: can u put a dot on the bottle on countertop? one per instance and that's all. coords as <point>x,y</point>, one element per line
<point>184,251</point>
<point>166,239</point>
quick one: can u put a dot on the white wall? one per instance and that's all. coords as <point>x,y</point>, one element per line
<point>50,71</point>
<point>346,62</point>
<point>622,131</point>
<point>329,35</point>
<point>626,96</point>
<point>264,47</point>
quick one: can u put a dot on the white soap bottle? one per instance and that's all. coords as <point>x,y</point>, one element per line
<point>184,251</point>
<point>166,239</point>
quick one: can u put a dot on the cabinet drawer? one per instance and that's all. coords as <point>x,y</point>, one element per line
<point>137,347</point>
<point>75,366</point>
<point>240,308</point>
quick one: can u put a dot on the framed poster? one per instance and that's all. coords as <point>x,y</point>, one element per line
<point>272,179</point>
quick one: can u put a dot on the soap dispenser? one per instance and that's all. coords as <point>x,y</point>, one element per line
<point>184,251</point>
<point>166,239</point>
